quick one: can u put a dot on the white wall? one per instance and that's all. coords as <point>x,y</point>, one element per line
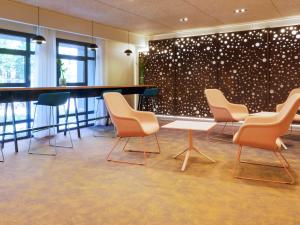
<point>119,69</point>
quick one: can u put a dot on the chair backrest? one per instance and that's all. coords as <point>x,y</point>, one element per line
<point>263,132</point>
<point>294,91</point>
<point>215,98</point>
<point>218,105</point>
<point>286,115</point>
<point>53,99</point>
<point>114,90</point>
<point>117,105</point>
<point>151,92</point>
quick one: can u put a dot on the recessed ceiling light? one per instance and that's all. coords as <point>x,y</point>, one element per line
<point>184,19</point>
<point>238,11</point>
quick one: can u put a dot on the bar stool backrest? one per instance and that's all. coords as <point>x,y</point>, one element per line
<point>151,92</point>
<point>53,99</point>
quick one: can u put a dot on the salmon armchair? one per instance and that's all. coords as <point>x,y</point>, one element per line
<point>279,106</point>
<point>130,123</point>
<point>264,132</point>
<point>223,110</point>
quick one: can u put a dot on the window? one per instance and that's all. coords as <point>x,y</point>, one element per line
<point>78,63</point>
<point>16,59</point>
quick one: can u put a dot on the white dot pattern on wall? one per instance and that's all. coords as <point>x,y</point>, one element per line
<point>257,68</point>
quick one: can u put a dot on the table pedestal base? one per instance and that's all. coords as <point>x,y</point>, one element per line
<point>189,150</point>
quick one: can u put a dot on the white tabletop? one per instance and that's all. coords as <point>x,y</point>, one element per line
<point>190,125</point>
<point>263,114</point>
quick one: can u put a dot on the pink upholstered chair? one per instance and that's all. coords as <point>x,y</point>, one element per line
<point>279,106</point>
<point>223,110</point>
<point>264,132</point>
<point>130,123</point>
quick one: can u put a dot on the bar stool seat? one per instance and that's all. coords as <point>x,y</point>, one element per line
<point>52,100</point>
<point>98,99</point>
<point>150,93</point>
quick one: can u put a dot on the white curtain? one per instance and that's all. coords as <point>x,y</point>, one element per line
<point>100,77</point>
<point>44,74</point>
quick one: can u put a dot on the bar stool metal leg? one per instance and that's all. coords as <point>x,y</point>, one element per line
<point>4,130</point>
<point>97,110</point>
<point>2,159</point>
<point>4,125</point>
<point>69,131</point>
<point>31,135</point>
<point>52,125</point>
<point>14,126</point>
<point>95,120</point>
<point>67,117</point>
<point>31,132</point>
<point>141,102</point>
<point>77,119</point>
<point>52,119</point>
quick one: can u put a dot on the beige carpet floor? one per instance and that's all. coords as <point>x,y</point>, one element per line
<point>79,187</point>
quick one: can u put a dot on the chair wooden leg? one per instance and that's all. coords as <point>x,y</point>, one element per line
<point>112,149</point>
<point>145,154</point>
<point>215,137</point>
<point>283,145</point>
<point>158,146</point>
<point>125,145</point>
<point>278,155</point>
<point>237,161</point>
<point>108,158</point>
<point>285,165</point>
<point>222,132</point>
<point>158,152</point>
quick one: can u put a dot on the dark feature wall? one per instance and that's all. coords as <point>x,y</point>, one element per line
<point>257,68</point>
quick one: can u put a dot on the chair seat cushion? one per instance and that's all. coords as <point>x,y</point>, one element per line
<point>240,116</point>
<point>278,143</point>
<point>150,128</point>
<point>297,118</point>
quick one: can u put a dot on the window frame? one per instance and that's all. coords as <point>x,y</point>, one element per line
<point>85,59</point>
<point>27,53</point>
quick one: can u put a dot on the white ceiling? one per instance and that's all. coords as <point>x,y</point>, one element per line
<point>151,17</point>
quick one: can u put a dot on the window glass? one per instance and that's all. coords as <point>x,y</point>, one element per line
<point>74,70</point>
<point>71,49</point>
<point>16,64</point>
<point>91,53</point>
<point>12,68</point>
<point>78,65</point>
<point>12,42</point>
<point>91,72</point>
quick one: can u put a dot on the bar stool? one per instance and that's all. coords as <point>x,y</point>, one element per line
<point>13,125</point>
<point>148,94</point>
<point>99,99</point>
<point>2,159</point>
<point>53,100</point>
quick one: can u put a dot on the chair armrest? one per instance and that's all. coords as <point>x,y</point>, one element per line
<point>279,107</point>
<point>221,114</point>
<point>145,116</point>
<point>238,108</point>
<point>258,135</point>
<point>261,119</point>
<point>128,126</point>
